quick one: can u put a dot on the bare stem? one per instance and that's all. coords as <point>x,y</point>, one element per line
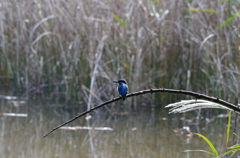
<point>161,90</point>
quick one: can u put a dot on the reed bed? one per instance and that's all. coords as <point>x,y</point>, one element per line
<point>74,49</point>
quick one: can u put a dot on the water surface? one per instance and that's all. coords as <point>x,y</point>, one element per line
<point>135,135</point>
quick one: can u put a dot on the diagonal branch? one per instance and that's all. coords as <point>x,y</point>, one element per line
<point>161,90</point>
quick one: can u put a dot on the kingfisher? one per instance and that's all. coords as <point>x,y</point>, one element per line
<point>122,88</point>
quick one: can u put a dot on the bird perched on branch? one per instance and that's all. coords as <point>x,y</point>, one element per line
<point>122,88</point>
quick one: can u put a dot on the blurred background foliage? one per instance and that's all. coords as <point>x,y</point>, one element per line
<point>68,51</point>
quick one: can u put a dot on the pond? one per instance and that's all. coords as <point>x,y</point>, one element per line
<point>150,133</point>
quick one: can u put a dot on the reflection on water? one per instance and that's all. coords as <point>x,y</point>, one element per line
<point>143,134</point>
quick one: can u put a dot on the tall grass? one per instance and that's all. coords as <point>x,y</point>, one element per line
<point>51,47</point>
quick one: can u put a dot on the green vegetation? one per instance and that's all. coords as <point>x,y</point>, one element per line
<point>230,150</point>
<point>70,49</point>
<point>214,151</point>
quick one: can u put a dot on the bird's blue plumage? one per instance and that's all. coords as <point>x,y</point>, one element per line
<point>122,88</point>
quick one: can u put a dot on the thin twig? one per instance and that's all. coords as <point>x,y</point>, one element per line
<point>161,90</point>
<point>81,114</point>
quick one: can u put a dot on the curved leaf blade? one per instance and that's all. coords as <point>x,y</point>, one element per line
<point>209,143</point>
<point>229,21</point>
<point>203,10</point>
<point>201,151</point>
<point>118,19</point>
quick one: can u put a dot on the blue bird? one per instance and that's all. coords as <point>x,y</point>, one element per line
<point>122,88</point>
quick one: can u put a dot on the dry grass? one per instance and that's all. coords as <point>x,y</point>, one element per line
<point>71,48</point>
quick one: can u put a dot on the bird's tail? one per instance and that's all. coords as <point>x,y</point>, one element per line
<point>124,97</point>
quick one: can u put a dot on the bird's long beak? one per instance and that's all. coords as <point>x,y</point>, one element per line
<point>115,81</point>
